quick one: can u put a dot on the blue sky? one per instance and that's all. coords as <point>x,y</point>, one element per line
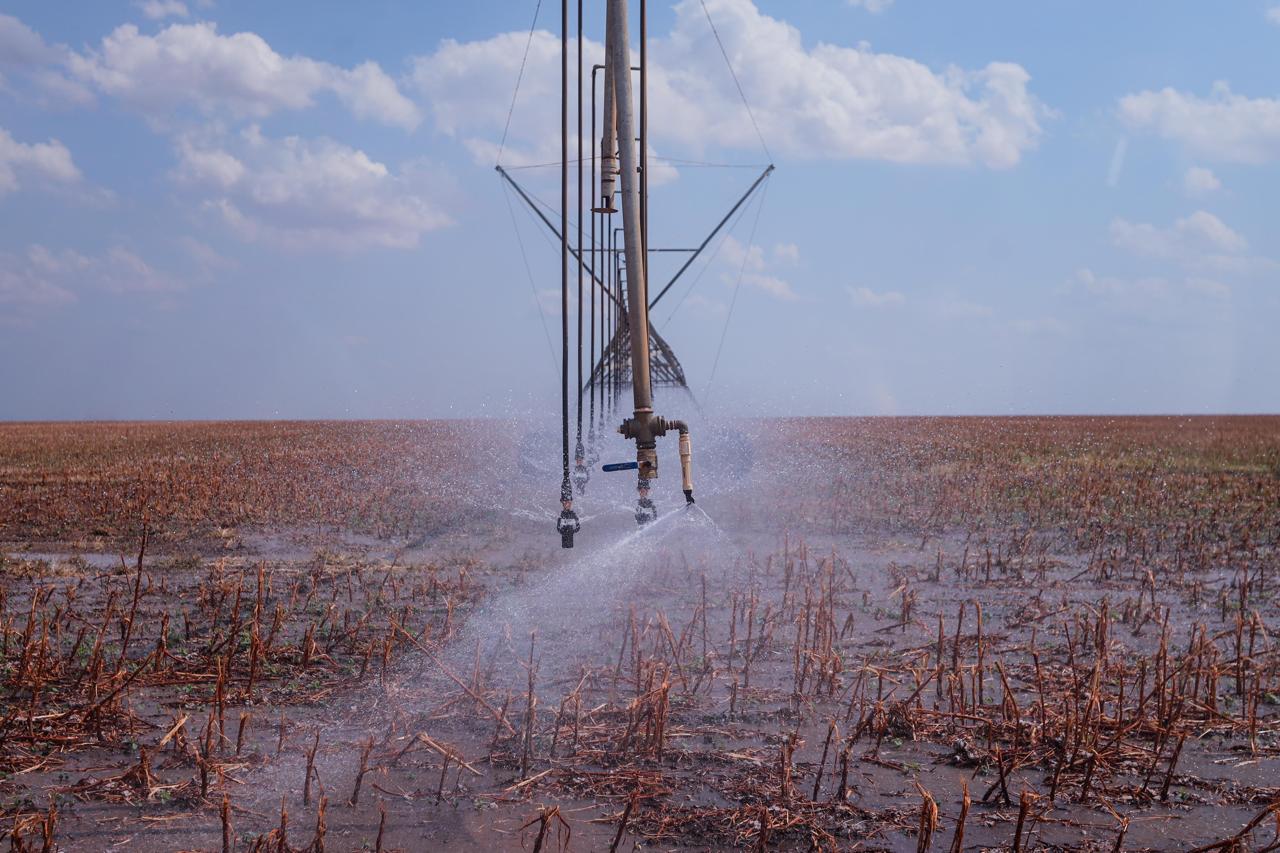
<point>219,209</point>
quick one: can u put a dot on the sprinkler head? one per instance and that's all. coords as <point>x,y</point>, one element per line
<point>688,497</point>
<point>580,474</point>
<point>567,525</point>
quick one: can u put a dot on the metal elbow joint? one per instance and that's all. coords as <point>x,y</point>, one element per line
<point>644,429</point>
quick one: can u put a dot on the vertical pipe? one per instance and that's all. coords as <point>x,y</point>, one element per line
<point>613,286</point>
<point>638,316</point>
<point>644,134</point>
<point>566,488</point>
<point>617,317</point>
<point>621,357</point>
<point>609,143</point>
<point>591,435</point>
<point>608,172</point>
<point>578,387</point>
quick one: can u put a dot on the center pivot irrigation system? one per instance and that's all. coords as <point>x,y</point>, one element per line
<point>615,263</point>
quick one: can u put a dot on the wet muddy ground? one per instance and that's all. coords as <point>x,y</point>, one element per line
<point>1070,621</point>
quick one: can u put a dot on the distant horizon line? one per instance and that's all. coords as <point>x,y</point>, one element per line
<point>969,416</point>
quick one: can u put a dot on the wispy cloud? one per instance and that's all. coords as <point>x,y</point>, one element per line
<point>875,7</point>
<point>1140,291</point>
<point>42,278</point>
<point>749,262</point>
<point>159,9</point>
<point>865,297</point>
<point>1200,181</point>
<point>1117,162</point>
<point>1200,241</point>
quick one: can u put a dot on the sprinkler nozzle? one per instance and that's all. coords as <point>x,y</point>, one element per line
<point>688,496</point>
<point>567,525</point>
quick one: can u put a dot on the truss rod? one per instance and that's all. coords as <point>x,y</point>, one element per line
<point>556,231</point>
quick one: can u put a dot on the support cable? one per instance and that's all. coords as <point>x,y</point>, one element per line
<point>763,175</point>
<point>746,255</point>
<point>736,82</point>
<point>546,221</point>
<point>715,253</point>
<point>533,288</point>
<point>519,78</point>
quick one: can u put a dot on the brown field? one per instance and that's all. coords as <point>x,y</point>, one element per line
<point>891,634</point>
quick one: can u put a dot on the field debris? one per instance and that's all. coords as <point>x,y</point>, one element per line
<point>1024,634</point>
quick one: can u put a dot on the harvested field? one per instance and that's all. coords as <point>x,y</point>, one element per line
<point>888,634</point>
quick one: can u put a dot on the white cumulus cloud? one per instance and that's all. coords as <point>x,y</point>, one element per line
<point>42,160</point>
<point>832,101</point>
<point>310,193</point>
<point>820,101</point>
<point>22,46</point>
<point>24,50</point>
<point>238,74</point>
<point>1223,127</point>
